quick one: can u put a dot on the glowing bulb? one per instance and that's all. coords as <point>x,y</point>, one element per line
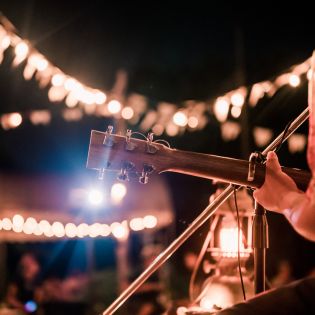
<point>29,225</point>
<point>119,230</point>
<point>193,122</point>
<point>172,129</point>
<point>5,43</point>
<point>294,80</point>
<point>58,79</point>
<point>83,230</point>
<point>118,192</point>
<point>237,99</point>
<point>41,64</point>
<point>180,119</point>
<point>228,241</point>
<point>221,109</point>
<point>95,197</point>
<point>70,84</point>
<point>236,111</point>
<point>58,229</point>
<point>6,224</point>
<point>95,230</point>
<point>105,230</point>
<point>18,220</point>
<point>100,98</point>
<point>21,50</point>
<point>158,129</point>
<point>114,107</point>
<point>136,224</point>
<point>127,113</point>
<point>71,230</point>
<point>150,221</point>
<point>12,120</point>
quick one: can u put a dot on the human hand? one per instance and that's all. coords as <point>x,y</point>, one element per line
<point>272,194</point>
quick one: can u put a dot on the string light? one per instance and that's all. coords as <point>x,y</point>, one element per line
<point>169,118</point>
<point>118,192</point>
<point>119,230</point>
<point>294,80</point>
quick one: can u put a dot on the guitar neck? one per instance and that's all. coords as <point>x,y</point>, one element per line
<point>227,169</point>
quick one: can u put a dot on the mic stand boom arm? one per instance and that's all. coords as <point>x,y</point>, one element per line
<point>196,224</point>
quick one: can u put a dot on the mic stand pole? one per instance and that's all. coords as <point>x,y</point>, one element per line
<point>195,225</point>
<point>260,244</point>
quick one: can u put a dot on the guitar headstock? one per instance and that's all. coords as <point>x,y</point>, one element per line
<point>129,157</point>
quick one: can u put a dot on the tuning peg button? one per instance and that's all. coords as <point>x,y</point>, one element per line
<point>122,177</point>
<point>144,179</point>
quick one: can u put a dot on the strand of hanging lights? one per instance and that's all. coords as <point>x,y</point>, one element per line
<point>168,118</point>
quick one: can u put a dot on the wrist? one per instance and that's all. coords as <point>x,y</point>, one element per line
<point>290,201</point>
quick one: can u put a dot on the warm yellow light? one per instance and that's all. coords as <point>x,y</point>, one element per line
<point>172,129</point>
<point>21,50</point>
<point>95,230</point>
<point>100,98</point>
<point>83,230</point>
<point>149,221</point>
<point>294,80</point>
<point>216,295</point>
<point>236,111</point>
<point>221,109</point>
<point>5,43</point>
<point>6,224</point>
<point>70,84</point>
<point>56,93</point>
<point>71,100</point>
<point>127,113</point>
<point>237,99</point>
<point>58,229</point>
<point>118,192</point>
<point>44,226</point>
<point>41,64</point>
<point>29,225</point>
<point>58,79</point>
<point>71,230</point>
<point>105,230</point>
<point>228,241</point>
<point>180,119</point>
<point>136,224</point>
<point>15,120</point>
<point>18,220</point>
<point>95,197</point>
<point>119,230</point>
<point>114,107</point>
<point>193,122</point>
<point>158,129</point>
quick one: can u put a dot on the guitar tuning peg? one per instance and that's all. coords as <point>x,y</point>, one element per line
<point>129,146</point>
<point>151,148</point>
<point>143,179</point>
<point>123,175</point>
<point>108,141</point>
<point>147,169</point>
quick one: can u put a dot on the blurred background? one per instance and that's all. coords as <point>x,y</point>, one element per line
<point>222,79</point>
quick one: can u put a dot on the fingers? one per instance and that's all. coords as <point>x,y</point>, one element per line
<point>272,161</point>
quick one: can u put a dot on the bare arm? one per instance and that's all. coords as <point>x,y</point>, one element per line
<point>279,193</point>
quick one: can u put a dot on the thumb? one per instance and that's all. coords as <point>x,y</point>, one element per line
<point>272,161</point>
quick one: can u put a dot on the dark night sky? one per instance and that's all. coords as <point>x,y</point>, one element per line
<point>171,53</point>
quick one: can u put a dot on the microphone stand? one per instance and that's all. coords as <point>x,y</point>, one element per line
<point>196,224</point>
<point>260,244</point>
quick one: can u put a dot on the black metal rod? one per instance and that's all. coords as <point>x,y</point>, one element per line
<point>260,244</point>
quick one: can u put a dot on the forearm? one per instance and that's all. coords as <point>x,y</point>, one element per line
<point>300,212</point>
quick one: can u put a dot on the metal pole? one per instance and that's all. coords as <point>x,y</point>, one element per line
<point>196,224</point>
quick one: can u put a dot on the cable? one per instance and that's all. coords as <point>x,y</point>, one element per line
<point>238,245</point>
